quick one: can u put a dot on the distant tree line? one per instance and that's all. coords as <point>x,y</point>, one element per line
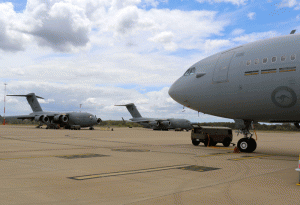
<point>120,123</point>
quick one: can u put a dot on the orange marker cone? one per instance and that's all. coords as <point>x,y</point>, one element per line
<point>298,170</point>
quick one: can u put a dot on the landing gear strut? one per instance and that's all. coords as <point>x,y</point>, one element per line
<point>246,144</point>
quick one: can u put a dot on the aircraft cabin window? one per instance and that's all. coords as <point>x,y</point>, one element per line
<point>265,60</point>
<point>187,72</point>
<point>248,62</point>
<point>193,70</point>
<point>274,59</point>
<point>293,57</point>
<point>190,71</point>
<point>256,61</point>
<point>283,58</point>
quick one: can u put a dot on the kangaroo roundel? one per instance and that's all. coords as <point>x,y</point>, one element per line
<point>284,97</point>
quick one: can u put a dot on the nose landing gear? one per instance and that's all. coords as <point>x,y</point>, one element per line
<point>246,144</point>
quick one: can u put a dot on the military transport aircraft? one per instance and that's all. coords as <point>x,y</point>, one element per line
<point>54,120</point>
<point>157,123</point>
<point>255,82</point>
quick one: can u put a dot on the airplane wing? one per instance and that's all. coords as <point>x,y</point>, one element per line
<point>21,117</point>
<point>161,120</point>
<point>137,121</point>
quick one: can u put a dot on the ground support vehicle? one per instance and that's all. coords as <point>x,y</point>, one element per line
<point>211,135</point>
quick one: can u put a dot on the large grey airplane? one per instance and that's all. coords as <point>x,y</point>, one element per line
<point>157,123</point>
<point>54,120</point>
<point>255,82</point>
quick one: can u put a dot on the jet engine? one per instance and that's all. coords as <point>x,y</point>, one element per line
<point>45,118</point>
<point>38,118</point>
<point>99,120</point>
<point>154,124</point>
<point>61,118</point>
<point>166,124</point>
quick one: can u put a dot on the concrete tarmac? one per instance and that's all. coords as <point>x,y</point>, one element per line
<point>141,166</point>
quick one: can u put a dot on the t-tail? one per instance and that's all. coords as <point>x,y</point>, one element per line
<point>132,109</point>
<point>32,100</point>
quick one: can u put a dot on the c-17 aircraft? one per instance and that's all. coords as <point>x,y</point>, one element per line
<point>54,120</point>
<point>255,82</point>
<point>157,123</point>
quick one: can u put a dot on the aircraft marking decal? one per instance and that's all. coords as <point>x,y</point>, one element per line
<point>284,97</point>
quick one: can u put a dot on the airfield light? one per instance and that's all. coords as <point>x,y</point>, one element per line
<point>4,103</point>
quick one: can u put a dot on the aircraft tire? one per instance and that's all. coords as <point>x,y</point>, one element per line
<point>253,145</point>
<point>246,145</point>
<point>196,143</point>
<point>226,142</point>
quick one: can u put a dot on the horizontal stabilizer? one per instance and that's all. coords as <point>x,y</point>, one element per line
<point>132,109</point>
<point>28,95</point>
<point>32,100</point>
<point>125,104</point>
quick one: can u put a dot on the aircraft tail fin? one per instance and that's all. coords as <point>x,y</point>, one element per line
<point>132,109</point>
<point>32,100</point>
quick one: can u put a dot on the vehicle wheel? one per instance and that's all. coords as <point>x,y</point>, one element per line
<point>212,142</point>
<point>226,142</point>
<point>206,142</point>
<point>246,145</point>
<point>196,143</point>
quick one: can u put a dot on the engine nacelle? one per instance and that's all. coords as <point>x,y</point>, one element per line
<point>61,118</point>
<point>38,118</point>
<point>154,124</point>
<point>99,120</point>
<point>64,118</point>
<point>45,119</point>
<point>166,124</point>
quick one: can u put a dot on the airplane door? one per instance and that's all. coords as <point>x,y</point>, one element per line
<point>222,68</point>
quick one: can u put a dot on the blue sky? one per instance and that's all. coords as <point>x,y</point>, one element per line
<point>105,52</point>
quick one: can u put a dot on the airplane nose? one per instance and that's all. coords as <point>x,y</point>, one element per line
<point>175,91</point>
<point>172,91</point>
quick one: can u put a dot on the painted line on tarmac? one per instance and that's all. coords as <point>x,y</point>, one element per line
<point>215,154</point>
<point>250,157</point>
<point>76,156</point>
<point>138,171</point>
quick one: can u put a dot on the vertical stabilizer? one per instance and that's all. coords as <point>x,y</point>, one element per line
<point>32,100</point>
<point>132,109</point>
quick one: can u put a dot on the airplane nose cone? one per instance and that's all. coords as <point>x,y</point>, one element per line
<point>174,91</point>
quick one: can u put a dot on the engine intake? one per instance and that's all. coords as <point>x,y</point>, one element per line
<point>45,119</point>
<point>99,120</point>
<point>61,118</point>
<point>166,124</point>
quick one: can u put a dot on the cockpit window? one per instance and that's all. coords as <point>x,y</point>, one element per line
<point>90,116</point>
<point>190,71</point>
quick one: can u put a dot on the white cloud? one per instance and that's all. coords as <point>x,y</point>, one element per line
<point>213,46</point>
<point>235,2</point>
<point>237,32</point>
<point>165,38</point>
<point>251,15</point>
<point>290,4</point>
<point>255,36</point>
<point>10,38</point>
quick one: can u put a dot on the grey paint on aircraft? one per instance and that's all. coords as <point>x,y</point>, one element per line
<point>156,123</point>
<point>264,92</point>
<point>52,119</point>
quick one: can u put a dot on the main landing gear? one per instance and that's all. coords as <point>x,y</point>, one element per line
<point>246,144</point>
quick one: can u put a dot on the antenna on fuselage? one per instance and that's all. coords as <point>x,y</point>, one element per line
<point>293,31</point>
